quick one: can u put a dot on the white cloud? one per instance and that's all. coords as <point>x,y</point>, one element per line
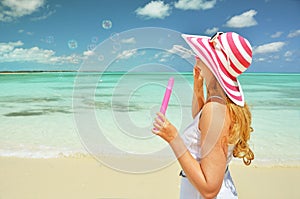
<point>268,59</point>
<point>261,59</point>
<point>195,4</point>
<point>34,54</point>
<point>7,47</point>
<point>88,53</point>
<point>181,51</point>
<point>163,56</point>
<point>246,19</point>
<point>154,9</point>
<point>141,52</point>
<point>211,31</point>
<point>13,9</point>
<point>295,33</point>
<point>268,48</point>
<point>276,35</point>
<point>288,53</point>
<point>22,31</point>
<point>47,13</point>
<point>169,54</point>
<point>130,40</point>
<point>126,54</point>
<point>9,53</point>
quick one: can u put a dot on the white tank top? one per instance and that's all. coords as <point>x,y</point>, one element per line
<point>192,139</point>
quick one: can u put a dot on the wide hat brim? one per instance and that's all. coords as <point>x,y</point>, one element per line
<point>213,58</point>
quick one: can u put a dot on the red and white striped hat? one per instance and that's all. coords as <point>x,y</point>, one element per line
<point>227,55</point>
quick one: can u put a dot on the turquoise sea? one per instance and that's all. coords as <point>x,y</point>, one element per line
<point>38,113</point>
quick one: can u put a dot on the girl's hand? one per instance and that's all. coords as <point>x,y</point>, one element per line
<point>164,128</point>
<point>198,83</point>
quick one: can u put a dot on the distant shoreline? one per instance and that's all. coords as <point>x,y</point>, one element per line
<point>37,71</point>
<point>122,72</point>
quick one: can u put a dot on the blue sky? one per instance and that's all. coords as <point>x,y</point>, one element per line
<point>62,34</point>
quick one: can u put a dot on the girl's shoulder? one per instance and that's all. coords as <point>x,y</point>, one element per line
<point>214,105</point>
<point>214,113</point>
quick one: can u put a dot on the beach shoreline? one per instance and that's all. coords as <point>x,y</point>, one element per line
<point>85,177</point>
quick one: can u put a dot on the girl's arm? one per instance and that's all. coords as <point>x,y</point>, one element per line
<point>206,176</point>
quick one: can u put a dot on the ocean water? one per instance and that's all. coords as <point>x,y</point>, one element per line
<point>50,115</point>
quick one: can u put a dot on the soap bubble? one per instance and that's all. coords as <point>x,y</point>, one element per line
<point>114,36</point>
<point>94,39</point>
<point>72,44</point>
<point>91,47</point>
<point>74,59</point>
<point>106,24</point>
<point>49,40</point>
<point>100,57</point>
<point>116,46</point>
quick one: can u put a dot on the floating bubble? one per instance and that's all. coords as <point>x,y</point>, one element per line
<point>74,59</point>
<point>100,57</point>
<point>106,24</point>
<point>91,47</point>
<point>94,39</point>
<point>72,44</point>
<point>114,36</point>
<point>49,40</point>
<point>116,46</point>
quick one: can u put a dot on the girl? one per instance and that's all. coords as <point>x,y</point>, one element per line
<point>221,125</point>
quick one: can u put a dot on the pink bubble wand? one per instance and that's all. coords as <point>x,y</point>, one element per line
<point>165,102</point>
<point>167,95</point>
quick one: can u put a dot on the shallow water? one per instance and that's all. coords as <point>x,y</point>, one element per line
<point>37,113</point>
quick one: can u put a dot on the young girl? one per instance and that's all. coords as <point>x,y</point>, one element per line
<point>221,125</point>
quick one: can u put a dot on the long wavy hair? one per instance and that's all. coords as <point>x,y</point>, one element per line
<point>240,129</point>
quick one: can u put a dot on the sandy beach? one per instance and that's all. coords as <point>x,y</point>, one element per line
<point>87,178</point>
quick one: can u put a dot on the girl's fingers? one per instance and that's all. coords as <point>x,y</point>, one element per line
<point>196,72</point>
<point>159,121</point>
<point>155,131</point>
<point>162,116</point>
<point>156,125</point>
<point>197,69</point>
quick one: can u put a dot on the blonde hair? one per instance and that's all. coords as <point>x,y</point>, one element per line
<point>240,129</point>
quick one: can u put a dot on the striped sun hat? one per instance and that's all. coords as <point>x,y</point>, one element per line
<point>227,55</point>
